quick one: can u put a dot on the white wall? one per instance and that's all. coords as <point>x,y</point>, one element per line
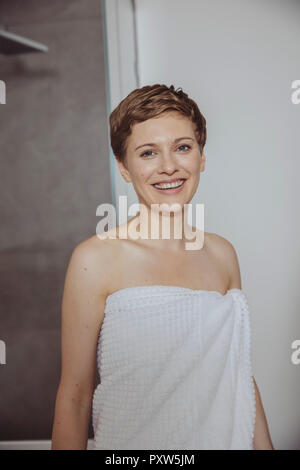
<point>237,59</point>
<point>122,77</point>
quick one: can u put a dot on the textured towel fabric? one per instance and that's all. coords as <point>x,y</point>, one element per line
<point>175,371</point>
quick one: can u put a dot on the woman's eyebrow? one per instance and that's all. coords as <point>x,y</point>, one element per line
<point>152,143</point>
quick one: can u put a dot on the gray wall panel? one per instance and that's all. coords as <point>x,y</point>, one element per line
<point>54,155</point>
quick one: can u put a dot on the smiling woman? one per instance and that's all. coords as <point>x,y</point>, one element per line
<point>168,327</point>
<point>161,151</point>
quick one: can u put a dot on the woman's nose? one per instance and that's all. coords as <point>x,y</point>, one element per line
<point>167,162</point>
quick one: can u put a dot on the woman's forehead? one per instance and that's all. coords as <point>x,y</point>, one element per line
<point>164,126</point>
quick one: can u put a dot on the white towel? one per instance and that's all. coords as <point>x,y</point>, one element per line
<point>175,371</point>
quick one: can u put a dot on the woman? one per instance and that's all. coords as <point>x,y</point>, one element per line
<point>170,324</point>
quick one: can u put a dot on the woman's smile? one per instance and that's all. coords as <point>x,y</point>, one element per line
<point>173,186</point>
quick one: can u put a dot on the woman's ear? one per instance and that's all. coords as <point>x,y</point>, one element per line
<point>203,160</point>
<point>123,170</point>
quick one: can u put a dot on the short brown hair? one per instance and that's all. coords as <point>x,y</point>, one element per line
<point>145,103</point>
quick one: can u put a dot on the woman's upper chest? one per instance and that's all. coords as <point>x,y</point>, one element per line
<point>198,269</point>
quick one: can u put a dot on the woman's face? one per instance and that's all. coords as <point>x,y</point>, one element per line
<point>161,150</point>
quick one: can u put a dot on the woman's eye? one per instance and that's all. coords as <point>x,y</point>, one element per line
<point>145,154</point>
<point>184,145</point>
<point>148,152</point>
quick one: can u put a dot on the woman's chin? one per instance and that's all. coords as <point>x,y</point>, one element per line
<point>175,205</point>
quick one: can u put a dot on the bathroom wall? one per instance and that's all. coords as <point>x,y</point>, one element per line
<point>54,173</point>
<point>237,59</point>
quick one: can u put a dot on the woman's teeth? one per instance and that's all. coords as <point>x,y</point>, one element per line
<point>175,184</point>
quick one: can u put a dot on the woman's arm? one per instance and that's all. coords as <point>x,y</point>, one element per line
<point>262,438</point>
<point>82,315</point>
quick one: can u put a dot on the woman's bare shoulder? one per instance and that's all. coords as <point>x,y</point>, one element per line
<point>218,242</point>
<point>96,247</point>
<point>96,258</point>
<point>225,252</point>
<point>103,251</point>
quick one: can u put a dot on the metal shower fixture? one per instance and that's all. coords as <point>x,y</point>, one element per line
<point>13,44</point>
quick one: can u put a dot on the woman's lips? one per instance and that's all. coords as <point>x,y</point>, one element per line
<point>171,190</point>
